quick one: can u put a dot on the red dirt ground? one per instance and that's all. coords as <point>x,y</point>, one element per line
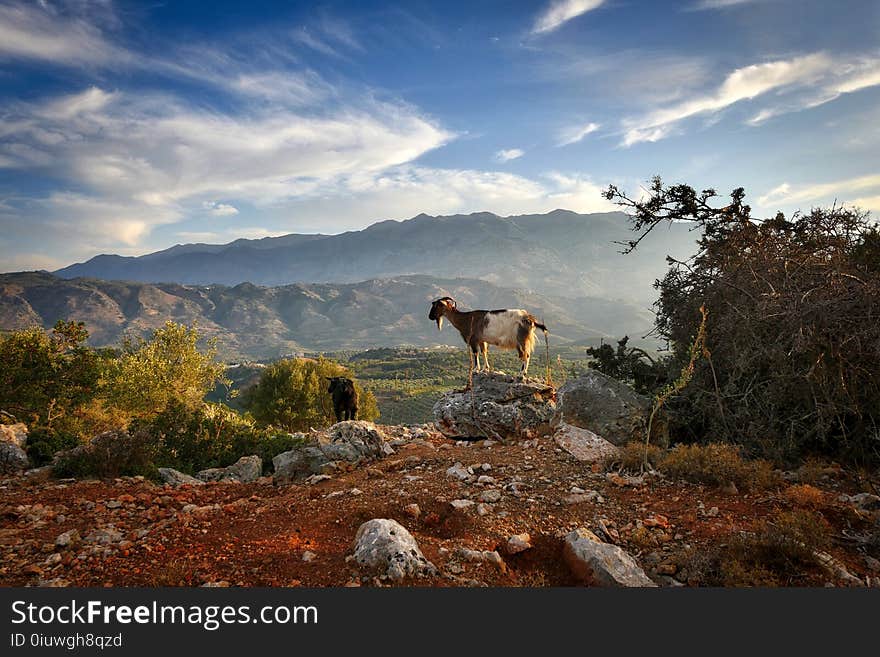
<point>259,532</point>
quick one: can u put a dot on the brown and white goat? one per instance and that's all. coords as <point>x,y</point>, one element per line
<point>508,329</point>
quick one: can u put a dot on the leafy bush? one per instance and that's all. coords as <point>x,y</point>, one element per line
<point>210,436</point>
<point>45,376</point>
<point>44,442</point>
<point>793,329</point>
<point>169,368</point>
<point>110,454</point>
<point>292,395</point>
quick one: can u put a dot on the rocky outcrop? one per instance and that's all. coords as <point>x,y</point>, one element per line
<point>177,478</point>
<point>244,470</point>
<point>603,405</point>
<point>385,545</point>
<point>584,445</point>
<point>499,407</point>
<point>352,442</point>
<point>13,459</point>
<point>591,560</point>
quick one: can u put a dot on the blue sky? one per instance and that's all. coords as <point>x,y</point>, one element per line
<point>127,127</point>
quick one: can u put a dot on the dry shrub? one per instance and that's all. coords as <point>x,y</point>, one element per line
<point>776,554</point>
<point>632,457</point>
<point>804,496</point>
<point>718,464</point>
<point>110,454</point>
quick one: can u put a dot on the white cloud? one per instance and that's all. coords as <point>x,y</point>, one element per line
<point>742,84</point>
<point>574,134</point>
<point>560,12</point>
<point>508,154</point>
<point>62,33</point>
<point>787,194</point>
<point>720,4</point>
<point>219,209</point>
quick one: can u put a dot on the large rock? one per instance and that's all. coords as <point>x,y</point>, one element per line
<point>603,405</point>
<point>14,433</point>
<point>387,546</point>
<point>353,441</point>
<point>584,445</point>
<point>13,458</point>
<point>177,478</point>
<point>500,407</point>
<point>591,560</point>
<point>244,470</point>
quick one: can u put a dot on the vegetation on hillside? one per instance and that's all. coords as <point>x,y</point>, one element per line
<point>793,324</point>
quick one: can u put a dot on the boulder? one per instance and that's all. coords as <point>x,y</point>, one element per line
<point>14,433</point>
<point>245,470</point>
<point>353,441</point>
<point>591,560</point>
<point>387,546</point>
<point>499,406</point>
<point>177,478</point>
<point>584,445</point>
<point>13,459</point>
<point>603,405</point>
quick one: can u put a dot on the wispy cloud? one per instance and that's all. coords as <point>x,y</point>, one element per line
<point>721,4</point>
<point>574,134</point>
<point>842,190</point>
<point>560,12</point>
<point>508,154</point>
<point>63,33</point>
<point>742,84</point>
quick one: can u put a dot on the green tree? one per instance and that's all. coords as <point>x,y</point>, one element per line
<point>292,395</point>
<point>149,375</point>
<point>43,377</point>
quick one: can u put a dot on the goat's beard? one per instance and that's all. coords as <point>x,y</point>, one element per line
<point>440,322</point>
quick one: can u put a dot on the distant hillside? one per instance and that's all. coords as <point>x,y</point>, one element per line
<point>560,253</point>
<point>266,322</point>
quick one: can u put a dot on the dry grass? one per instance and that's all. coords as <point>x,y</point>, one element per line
<point>804,496</point>
<point>718,464</point>
<point>775,554</point>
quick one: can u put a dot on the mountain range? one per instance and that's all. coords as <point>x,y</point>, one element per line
<point>560,253</point>
<point>251,321</point>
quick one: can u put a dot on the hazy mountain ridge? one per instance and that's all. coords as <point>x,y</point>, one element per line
<point>558,253</point>
<point>266,322</point>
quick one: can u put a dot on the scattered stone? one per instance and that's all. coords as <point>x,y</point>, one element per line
<point>458,471</point>
<point>245,470</point>
<point>67,539</point>
<point>387,546</point>
<point>499,407</point>
<point>865,501</point>
<point>483,509</point>
<point>730,488</point>
<point>461,505</point>
<point>412,510</point>
<point>317,479</point>
<point>308,556</point>
<point>485,479</point>
<point>518,543</point>
<point>104,536</point>
<point>592,560</point>
<point>492,495</point>
<point>177,478</point>
<point>584,445</point>
<point>711,513</point>
<point>624,480</point>
<point>486,556</point>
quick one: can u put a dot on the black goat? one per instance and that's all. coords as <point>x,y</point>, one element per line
<point>345,397</point>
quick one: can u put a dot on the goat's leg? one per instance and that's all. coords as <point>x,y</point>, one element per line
<point>486,356</point>
<point>525,365</point>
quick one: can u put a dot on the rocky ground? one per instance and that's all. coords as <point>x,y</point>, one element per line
<point>482,513</point>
